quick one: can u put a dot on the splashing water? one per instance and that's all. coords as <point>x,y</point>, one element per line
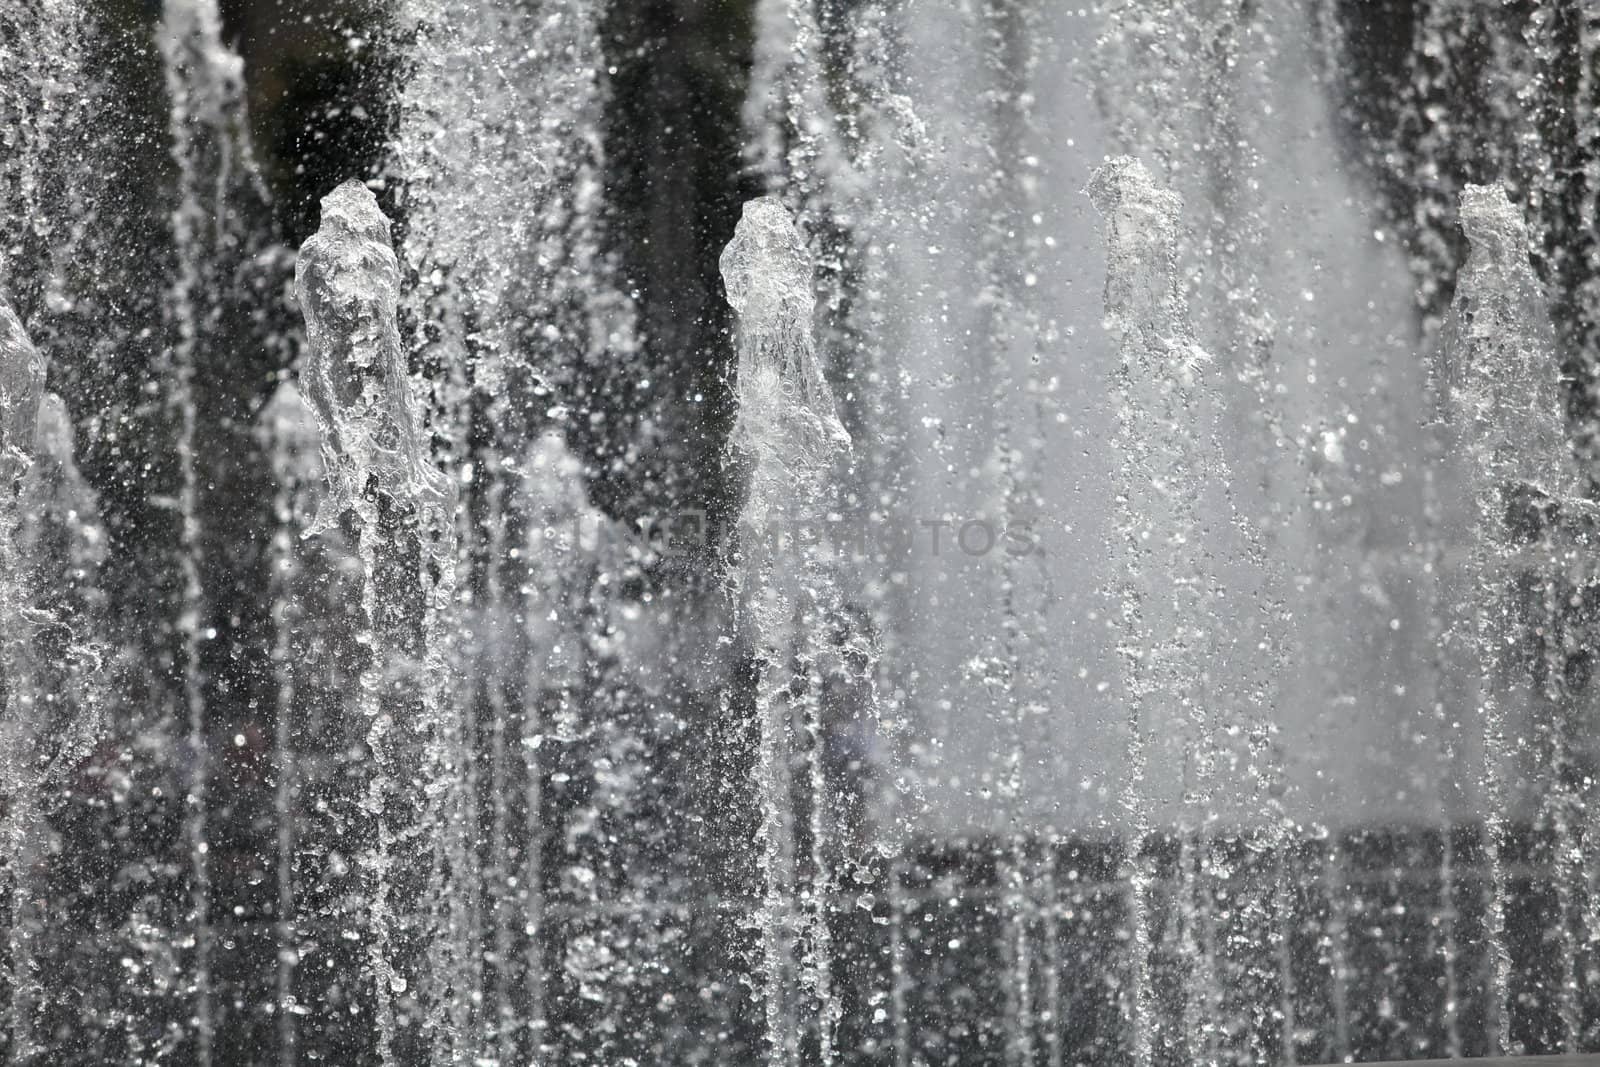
<point>358,710</point>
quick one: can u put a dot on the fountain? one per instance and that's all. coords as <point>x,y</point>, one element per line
<point>1090,565</point>
<point>791,600</point>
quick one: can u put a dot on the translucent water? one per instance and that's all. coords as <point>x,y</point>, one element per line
<point>1146,627</point>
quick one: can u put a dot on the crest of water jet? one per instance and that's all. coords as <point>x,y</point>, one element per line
<point>381,481</point>
<point>1501,380</point>
<point>1144,299</point>
<point>789,432</point>
<point>787,418</point>
<point>355,376</point>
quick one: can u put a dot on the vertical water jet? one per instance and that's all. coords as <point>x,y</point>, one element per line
<point>790,436</point>
<point>1501,417</point>
<point>383,488</point>
<point>291,441</point>
<point>510,305</point>
<point>209,145</point>
<point>1166,590</point>
<point>22,373</point>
